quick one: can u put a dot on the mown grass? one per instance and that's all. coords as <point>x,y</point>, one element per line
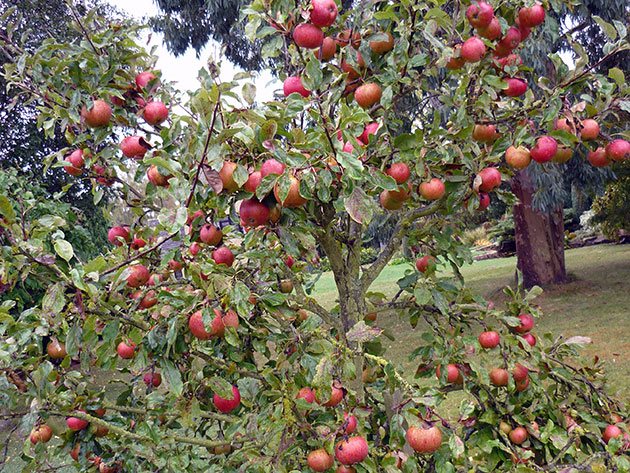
<point>596,303</point>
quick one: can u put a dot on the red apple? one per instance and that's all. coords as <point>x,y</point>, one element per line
<point>389,202</point>
<point>319,460</point>
<point>564,124</point>
<point>253,213</point>
<point>511,60</point>
<point>531,16</point>
<point>155,112</point>
<point>518,435</point>
<point>147,300</point>
<point>563,154</point>
<point>227,176</point>
<point>152,379</point>
<point>510,41</point>
<point>76,163</point>
<point>499,377</point>
<point>134,147</point>
<point>137,243</point>
<point>368,94</point>
<point>515,87</point>
<point>456,61</point>
<point>42,433</point>
<point>227,405</point>
<point>485,133</point>
<point>323,12</point>
<point>519,158</point>
<point>453,374</point>
<point>126,351</point>
<point>544,150</point>
<point>370,129</point>
<point>56,350</point>
<point>210,235</point>
<point>223,255</point>
<point>492,31</point>
<point>293,84</point>
<point>75,424</point>
<point>520,373</point>
<point>138,275</point>
<point>489,339</point>
<point>382,46</point>
<point>399,172</point>
<point>253,181</point>
<point>423,263</point>
<point>490,179</point>
<point>293,198</point>
<point>328,49</point>
<point>473,49</point>
<point>350,422</point>
<point>336,396</point>
<point>527,323</point>
<point>618,150</point>
<point>589,129</point>
<point>351,450</point>
<point>480,14</point>
<point>432,190</point>
<point>271,166</point>
<point>156,178</point>
<point>143,79</point>
<point>98,115</point>
<point>118,234</point>
<point>598,158</point>
<point>530,339</point>
<point>194,248</point>
<point>307,394</point>
<point>611,432</point>
<point>424,439</point>
<point>307,35</point>
<point>484,201</point>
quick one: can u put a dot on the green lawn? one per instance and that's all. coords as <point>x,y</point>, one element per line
<point>596,303</point>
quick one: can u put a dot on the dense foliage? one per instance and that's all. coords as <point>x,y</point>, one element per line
<point>196,344</point>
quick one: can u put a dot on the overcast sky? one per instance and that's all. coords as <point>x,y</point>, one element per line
<point>183,69</point>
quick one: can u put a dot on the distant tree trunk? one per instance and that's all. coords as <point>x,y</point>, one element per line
<point>539,237</point>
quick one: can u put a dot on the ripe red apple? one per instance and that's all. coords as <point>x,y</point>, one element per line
<point>564,124</point>
<point>156,178</point>
<point>42,433</point>
<point>118,233</point>
<point>473,49</point>
<point>485,133</point>
<point>210,235</point>
<point>126,351</point>
<point>518,435</point>
<point>511,60</point>
<point>432,190</point>
<point>598,158</point>
<point>345,469</point>
<point>456,61</point>
<point>307,394</point>
<point>611,432</point>
<point>293,84</point>
<point>98,115</point>
<point>347,37</point>
<point>323,12</point>
<point>147,300</point>
<point>480,14</point>
<point>350,422</point>
<point>307,35</point>
<point>490,179</point>
<point>492,31</point>
<point>484,201</point>
<point>351,450</point>
<point>194,248</point>
<point>499,377</point>
<point>197,327</point>
<point>515,87</point>
<point>518,158</point>
<point>527,323</point>
<point>134,147</point>
<point>423,263</point>
<point>75,424</point>
<point>507,44</point>
<point>563,154</point>
<point>328,49</point>
<point>319,460</point>
<point>56,350</point>
<point>336,396</point>
<point>289,261</point>
<point>102,174</point>
<point>271,166</point>
<point>490,339</point>
<point>227,405</point>
<point>253,181</point>
<point>368,94</point>
<point>424,439</point>
<point>389,202</point>
<point>155,112</point>
<point>618,150</point>
<point>76,163</point>
<point>453,374</point>
<point>152,379</point>
<point>521,385</point>
<point>382,46</point>
<point>253,213</point>
<point>227,176</point>
<point>138,275</point>
<point>293,198</point>
<point>544,150</point>
<point>143,79</point>
<point>531,16</point>
<point>370,129</point>
<point>399,172</point>
<point>589,129</point>
<point>137,243</point>
<point>223,255</point>
<point>520,373</point>
<point>530,339</point>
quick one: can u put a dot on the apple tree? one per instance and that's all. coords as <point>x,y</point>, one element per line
<point>198,343</point>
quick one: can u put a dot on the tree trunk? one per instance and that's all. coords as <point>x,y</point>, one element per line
<point>539,237</point>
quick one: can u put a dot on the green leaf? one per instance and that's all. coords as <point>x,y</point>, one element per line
<point>313,77</point>
<point>54,300</point>
<point>359,206</point>
<point>64,249</point>
<point>249,93</point>
<point>6,209</point>
<point>618,76</point>
<point>609,29</point>
<point>172,376</point>
<point>220,387</point>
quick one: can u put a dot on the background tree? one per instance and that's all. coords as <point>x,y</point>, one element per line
<point>214,355</point>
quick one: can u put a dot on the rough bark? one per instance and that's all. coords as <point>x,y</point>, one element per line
<point>539,238</point>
